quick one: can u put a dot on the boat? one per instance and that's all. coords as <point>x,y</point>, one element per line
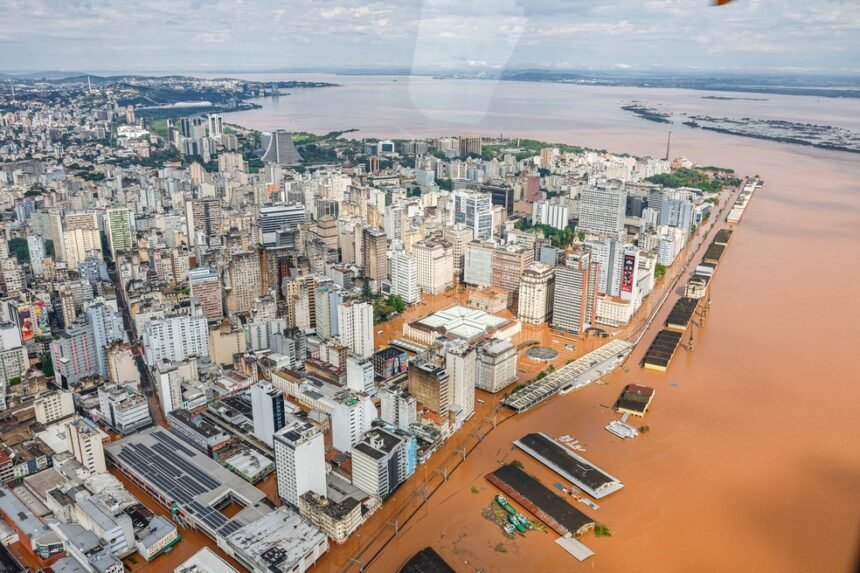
<point>567,388</point>
<point>516,523</point>
<point>500,499</point>
<point>509,528</point>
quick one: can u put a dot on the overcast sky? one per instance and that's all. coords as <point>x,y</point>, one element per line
<point>198,35</point>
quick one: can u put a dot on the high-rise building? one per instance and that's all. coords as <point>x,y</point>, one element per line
<point>85,443</point>
<point>351,416</point>
<point>245,281</point>
<point>533,185</point>
<point>73,354</point>
<point>216,126</point>
<point>299,461</point>
<point>602,209</point>
<point>474,210</point>
<point>435,265</point>
<point>279,219</point>
<point>398,407</point>
<point>278,147</point>
<point>461,366</point>
<point>203,216</point>
<point>356,327</point>
<point>118,229</point>
<point>36,248</point>
<point>575,296</point>
<point>267,406</point>
<point>609,253</point>
<point>380,462</point>
<point>206,289</point>
<point>470,145</point>
<point>107,328</point>
<point>328,296</point>
<point>360,375</point>
<point>509,262</point>
<point>536,293</point>
<point>496,365</point>
<point>478,265</point>
<point>431,385</point>
<point>550,212</point>
<point>404,277</point>
<point>176,338</point>
<point>375,254</point>
<point>459,235</point>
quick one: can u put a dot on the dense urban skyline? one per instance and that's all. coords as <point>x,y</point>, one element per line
<point>784,36</point>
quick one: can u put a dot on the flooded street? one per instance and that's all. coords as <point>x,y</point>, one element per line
<point>751,462</point>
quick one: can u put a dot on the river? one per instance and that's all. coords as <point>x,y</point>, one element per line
<point>752,462</point>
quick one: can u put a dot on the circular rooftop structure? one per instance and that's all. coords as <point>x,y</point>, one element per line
<point>541,353</point>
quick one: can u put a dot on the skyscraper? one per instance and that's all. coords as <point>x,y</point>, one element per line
<point>602,209</point>
<point>107,328</point>
<point>536,293</point>
<point>404,277</point>
<point>375,254</point>
<point>118,229</point>
<point>475,210</point>
<point>574,302</point>
<point>299,461</point>
<point>356,327</point>
<point>435,266</point>
<point>267,406</point>
<point>206,288</point>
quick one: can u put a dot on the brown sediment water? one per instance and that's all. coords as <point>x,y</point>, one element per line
<point>751,462</point>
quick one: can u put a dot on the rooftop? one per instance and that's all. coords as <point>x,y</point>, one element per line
<point>276,542</point>
<point>461,322</point>
<point>574,468</point>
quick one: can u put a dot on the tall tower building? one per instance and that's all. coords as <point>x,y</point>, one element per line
<point>85,443</point>
<point>328,297</point>
<point>602,209</point>
<point>404,277</point>
<point>459,235</point>
<point>206,288</point>
<point>474,210</point>
<point>435,260</point>
<point>299,461</point>
<point>536,294</point>
<point>461,363</point>
<point>356,327</point>
<point>575,296</point>
<point>107,328</point>
<point>118,229</point>
<point>203,216</point>
<point>375,254</point>
<point>244,281</point>
<point>470,145</point>
<point>267,404</point>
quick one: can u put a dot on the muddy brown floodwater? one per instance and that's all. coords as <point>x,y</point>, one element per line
<point>752,461</point>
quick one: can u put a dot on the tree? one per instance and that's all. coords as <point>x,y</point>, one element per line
<point>659,270</point>
<point>46,363</point>
<point>581,236</point>
<point>49,248</point>
<point>396,302</point>
<point>18,247</point>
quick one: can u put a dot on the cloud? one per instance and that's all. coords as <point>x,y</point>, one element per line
<point>671,34</point>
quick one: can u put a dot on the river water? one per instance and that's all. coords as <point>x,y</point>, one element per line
<point>752,462</point>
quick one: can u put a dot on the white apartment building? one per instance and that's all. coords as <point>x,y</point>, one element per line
<point>356,327</point>
<point>299,461</point>
<point>404,277</point>
<point>435,265</point>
